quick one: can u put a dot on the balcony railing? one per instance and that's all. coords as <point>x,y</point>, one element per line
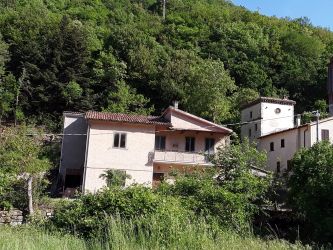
<point>181,157</point>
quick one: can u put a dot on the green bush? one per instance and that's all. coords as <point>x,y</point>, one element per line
<point>311,186</point>
<point>86,215</point>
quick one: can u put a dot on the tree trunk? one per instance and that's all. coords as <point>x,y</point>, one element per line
<point>16,105</point>
<point>31,208</point>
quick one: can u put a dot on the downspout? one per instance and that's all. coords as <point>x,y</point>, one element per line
<point>307,128</point>
<point>85,160</point>
<point>60,163</point>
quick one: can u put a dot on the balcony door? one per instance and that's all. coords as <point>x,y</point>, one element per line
<point>209,146</point>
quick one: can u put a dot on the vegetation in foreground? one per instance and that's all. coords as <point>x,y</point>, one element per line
<point>129,235</point>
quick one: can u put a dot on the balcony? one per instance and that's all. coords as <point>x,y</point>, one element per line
<point>192,158</point>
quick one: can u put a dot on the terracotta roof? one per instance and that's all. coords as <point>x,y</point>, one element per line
<point>269,100</point>
<point>283,130</point>
<point>72,113</point>
<point>128,118</point>
<point>210,125</point>
<point>301,126</point>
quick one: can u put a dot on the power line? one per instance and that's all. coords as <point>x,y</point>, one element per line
<point>165,130</point>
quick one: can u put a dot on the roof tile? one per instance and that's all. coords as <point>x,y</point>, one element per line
<point>129,118</point>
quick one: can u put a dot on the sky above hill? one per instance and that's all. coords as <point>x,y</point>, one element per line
<point>320,12</point>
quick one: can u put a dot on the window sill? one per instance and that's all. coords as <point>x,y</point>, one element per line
<point>119,148</point>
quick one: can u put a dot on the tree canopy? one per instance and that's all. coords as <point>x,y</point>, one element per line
<point>123,56</point>
<point>311,185</point>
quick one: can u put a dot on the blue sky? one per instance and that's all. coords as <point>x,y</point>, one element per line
<point>320,12</point>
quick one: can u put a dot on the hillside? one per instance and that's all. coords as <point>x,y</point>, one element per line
<point>121,56</point>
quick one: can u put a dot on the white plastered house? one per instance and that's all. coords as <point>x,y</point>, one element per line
<point>145,147</point>
<point>271,123</point>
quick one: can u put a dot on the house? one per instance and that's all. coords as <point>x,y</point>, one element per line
<point>272,124</point>
<point>145,147</point>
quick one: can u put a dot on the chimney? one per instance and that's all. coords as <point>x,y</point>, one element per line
<point>175,104</point>
<point>330,87</point>
<point>298,120</point>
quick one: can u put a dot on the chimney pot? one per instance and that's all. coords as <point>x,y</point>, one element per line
<point>175,104</point>
<point>298,120</point>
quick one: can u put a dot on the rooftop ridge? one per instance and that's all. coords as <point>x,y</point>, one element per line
<point>269,100</point>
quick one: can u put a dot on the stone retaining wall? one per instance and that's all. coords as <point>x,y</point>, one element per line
<point>12,217</point>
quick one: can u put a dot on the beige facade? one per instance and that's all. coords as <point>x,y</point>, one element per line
<point>128,143</point>
<point>101,154</point>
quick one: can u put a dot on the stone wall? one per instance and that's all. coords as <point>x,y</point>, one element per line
<point>12,217</point>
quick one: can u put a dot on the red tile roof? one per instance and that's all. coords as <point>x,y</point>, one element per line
<point>129,118</point>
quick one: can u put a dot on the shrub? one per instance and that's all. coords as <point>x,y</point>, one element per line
<point>311,185</point>
<point>88,214</point>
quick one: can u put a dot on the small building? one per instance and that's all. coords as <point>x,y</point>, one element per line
<point>147,148</point>
<point>272,124</point>
<point>266,115</point>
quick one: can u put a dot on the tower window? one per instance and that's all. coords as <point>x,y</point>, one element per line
<point>250,133</point>
<point>289,165</point>
<point>278,167</point>
<point>271,146</point>
<point>251,114</point>
<point>256,127</point>
<point>282,143</point>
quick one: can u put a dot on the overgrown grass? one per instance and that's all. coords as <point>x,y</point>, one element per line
<point>30,238</point>
<point>135,234</point>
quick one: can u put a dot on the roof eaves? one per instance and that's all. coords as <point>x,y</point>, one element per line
<point>200,119</point>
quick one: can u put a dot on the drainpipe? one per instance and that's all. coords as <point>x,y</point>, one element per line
<point>317,124</point>
<point>85,160</point>
<point>307,128</point>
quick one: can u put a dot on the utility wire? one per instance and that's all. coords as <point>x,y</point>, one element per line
<point>166,130</point>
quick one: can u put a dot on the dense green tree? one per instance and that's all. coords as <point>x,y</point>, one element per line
<point>208,49</point>
<point>21,156</point>
<point>311,185</point>
<point>126,100</point>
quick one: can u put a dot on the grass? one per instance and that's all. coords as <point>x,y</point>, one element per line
<point>132,235</point>
<point>30,238</point>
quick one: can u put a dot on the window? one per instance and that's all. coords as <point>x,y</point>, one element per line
<point>271,146</point>
<point>119,140</point>
<point>250,132</point>
<point>160,142</point>
<point>158,176</point>
<point>251,114</point>
<point>325,134</point>
<point>282,143</point>
<point>189,144</point>
<point>209,145</point>
<point>289,165</point>
<point>256,127</point>
<point>277,110</point>
<point>278,167</point>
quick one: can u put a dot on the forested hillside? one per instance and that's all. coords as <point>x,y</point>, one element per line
<point>122,56</point>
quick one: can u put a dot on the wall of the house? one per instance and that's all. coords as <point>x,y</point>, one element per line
<point>73,144</point>
<point>324,124</point>
<point>272,121</point>
<point>293,140</point>
<point>134,159</point>
<point>182,121</point>
<point>175,140</point>
<point>245,117</point>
